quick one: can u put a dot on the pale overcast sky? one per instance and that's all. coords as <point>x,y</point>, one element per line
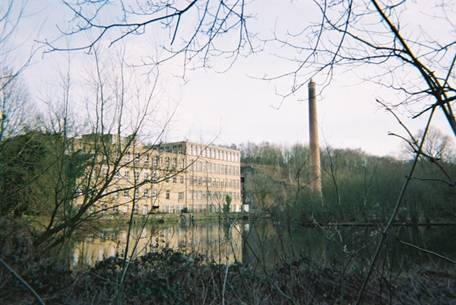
<point>235,106</point>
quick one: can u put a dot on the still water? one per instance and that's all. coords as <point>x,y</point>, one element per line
<point>264,243</point>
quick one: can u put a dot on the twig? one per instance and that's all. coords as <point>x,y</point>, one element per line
<point>428,251</point>
<point>22,281</point>
<point>224,283</point>
<point>396,207</point>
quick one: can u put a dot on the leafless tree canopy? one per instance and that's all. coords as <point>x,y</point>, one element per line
<point>401,53</point>
<point>403,50</point>
<point>190,28</point>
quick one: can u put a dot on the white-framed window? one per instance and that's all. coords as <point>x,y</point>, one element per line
<point>116,193</point>
<point>154,176</point>
<point>156,161</point>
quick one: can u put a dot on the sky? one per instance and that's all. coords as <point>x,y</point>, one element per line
<point>236,106</point>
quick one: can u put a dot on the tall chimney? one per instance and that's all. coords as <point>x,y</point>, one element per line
<point>315,172</point>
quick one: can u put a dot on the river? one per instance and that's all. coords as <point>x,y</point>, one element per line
<point>264,243</point>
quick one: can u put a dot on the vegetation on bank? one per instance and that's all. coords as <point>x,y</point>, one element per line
<point>169,277</point>
<point>357,187</point>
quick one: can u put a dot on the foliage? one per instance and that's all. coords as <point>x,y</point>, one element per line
<point>227,204</point>
<point>169,277</point>
<point>356,186</point>
<point>30,169</point>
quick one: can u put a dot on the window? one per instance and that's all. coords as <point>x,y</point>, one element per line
<point>146,193</point>
<point>145,209</point>
<point>168,194</point>
<point>174,179</point>
<point>154,193</point>
<point>181,178</point>
<point>146,176</point>
<point>127,174</point>
<point>181,195</point>
<point>156,161</point>
<point>136,175</point>
<point>126,193</point>
<point>154,176</point>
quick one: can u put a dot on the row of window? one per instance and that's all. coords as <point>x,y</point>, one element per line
<point>216,182</point>
<point>213,153</point>
<point>198,166</point>
<point>195,150</point>
<point>214,168</point>
<point>156,161</point>
<point>218,197</point>
<point>197,195</point>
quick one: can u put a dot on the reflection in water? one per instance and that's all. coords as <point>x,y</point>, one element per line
<point>219,243</point>
<point>266,244</point>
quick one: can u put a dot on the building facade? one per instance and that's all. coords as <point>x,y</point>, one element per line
<point>169,177</point>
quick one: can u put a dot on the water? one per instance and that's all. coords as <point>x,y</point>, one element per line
<point>265,244</point>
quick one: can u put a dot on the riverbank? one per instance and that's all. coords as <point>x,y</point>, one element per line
<point>160,218</point>
<point>170,277</point>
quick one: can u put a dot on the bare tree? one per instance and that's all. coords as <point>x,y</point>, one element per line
<point>86,170</point>
<point>188,28</point>
<point>378,38</point>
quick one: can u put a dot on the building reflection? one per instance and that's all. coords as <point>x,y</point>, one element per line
<point>266,244</point>
<point>219,243</point>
